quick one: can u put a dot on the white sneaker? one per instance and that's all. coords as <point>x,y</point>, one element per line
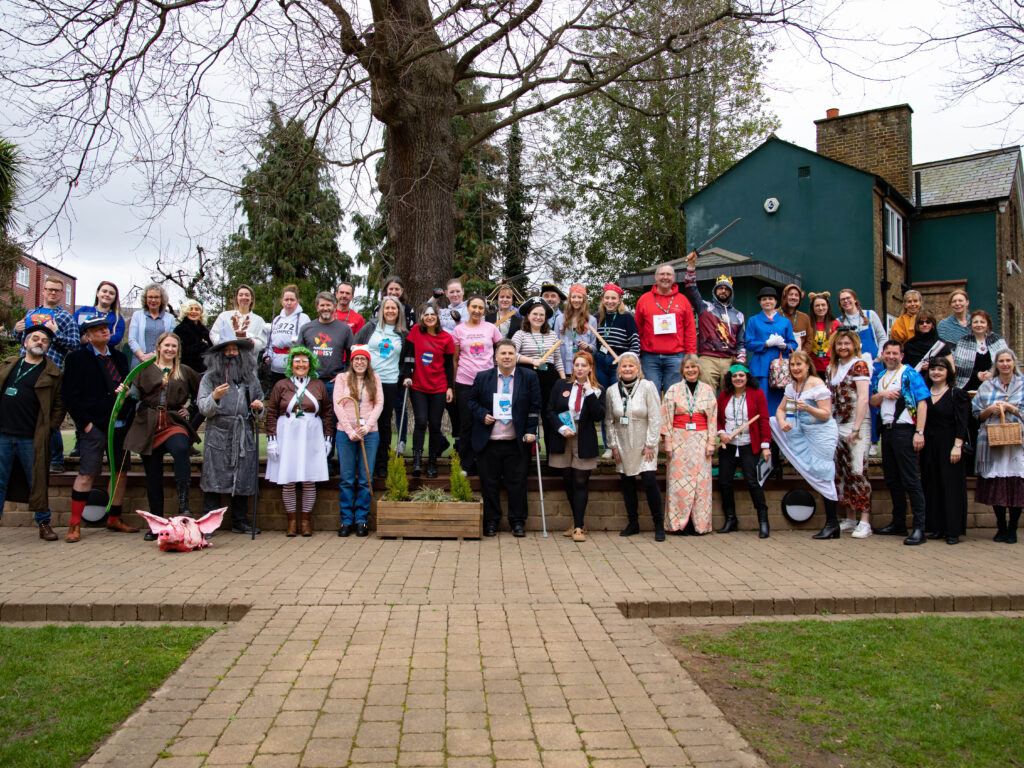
<point>607,453</point>
<point>862,531</point>
<point>847,525</point>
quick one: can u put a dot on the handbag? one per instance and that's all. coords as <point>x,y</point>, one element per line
<point>1004,433</point>
<point>778,373</point>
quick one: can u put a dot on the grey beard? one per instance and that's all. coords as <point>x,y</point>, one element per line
<point>39,351</point>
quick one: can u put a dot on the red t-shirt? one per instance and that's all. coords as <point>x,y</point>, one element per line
<point>351,318</point>
<point>428,373</point>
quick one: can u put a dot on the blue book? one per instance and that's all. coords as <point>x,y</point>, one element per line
<point>566,418</point>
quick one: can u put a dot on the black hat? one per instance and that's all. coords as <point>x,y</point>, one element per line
<point>93,321</point>
<point>552,287</point>
<point>40,327</point>
<point>532,303</point>
<point>243,344</point>
<point>768,290</point>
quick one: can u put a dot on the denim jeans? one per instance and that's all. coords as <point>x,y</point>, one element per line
<point>663,370</point>
<point>355,491</point>
<point>20,448</point>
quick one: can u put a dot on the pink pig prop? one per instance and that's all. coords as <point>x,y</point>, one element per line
<point>183,534</point>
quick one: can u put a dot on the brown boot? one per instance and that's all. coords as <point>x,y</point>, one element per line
<point>307,524</point>
<point>290,530</point>
<point>74,533</point>
<point>115,524</point>
<point>46,532</point>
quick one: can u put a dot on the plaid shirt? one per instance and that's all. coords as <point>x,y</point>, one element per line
<point>966,352</point>
<point>67,338</point>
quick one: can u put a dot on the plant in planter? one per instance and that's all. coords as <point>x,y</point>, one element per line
<point>428,512</point>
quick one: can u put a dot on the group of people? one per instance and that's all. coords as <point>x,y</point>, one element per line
<point>685,374</point>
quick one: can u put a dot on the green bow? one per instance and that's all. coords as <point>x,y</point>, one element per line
<point>118,402</point>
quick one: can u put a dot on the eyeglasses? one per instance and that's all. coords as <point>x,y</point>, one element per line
<point>52,290</point>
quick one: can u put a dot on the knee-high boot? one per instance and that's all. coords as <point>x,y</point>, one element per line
<point>762,522</point>
<point>831,529</point>
<point>1000,525</point>
<point>1011,527</point>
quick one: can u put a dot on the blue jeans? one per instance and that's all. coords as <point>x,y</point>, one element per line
<point>663,370</point>
<point>20,448</point>
<point>355,492</point>
<point>56,447</point>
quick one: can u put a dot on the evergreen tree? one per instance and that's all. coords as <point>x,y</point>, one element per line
<point>293,220</point>
<point>518,224</point>
<point>627,156</point>
<point>11,250</point>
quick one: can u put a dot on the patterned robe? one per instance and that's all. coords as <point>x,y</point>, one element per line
<point>688,473</point>
<point>852,483</point>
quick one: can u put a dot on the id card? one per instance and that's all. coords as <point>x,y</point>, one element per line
<point>12,391</point>
<point>362,422</point>
<point>691,427</point>
<point>664,324</point>
<point>624,420</point>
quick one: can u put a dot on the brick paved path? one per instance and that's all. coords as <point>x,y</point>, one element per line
<point>506,653</point>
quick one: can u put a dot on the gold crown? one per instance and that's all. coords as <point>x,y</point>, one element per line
<point>723,279</point>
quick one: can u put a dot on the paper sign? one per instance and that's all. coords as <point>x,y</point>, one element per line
<point>664,324</point>
<point>502,407</point>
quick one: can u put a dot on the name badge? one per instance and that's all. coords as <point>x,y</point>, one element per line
<point>623,420</point>
<point>664,324</point>
<point>542,367</point>
<point>691,426</point>
<point>12,391</point>
<point>362,422</point>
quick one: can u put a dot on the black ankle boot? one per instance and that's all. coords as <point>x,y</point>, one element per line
<point>762,524</point>
<point>731,523</point>
<point>432,466</point>
<point>417,463</point>
<point>183,491</point>
<point>1000,526</point>
<point>659,527</point>
<point>831,529</point>
<point>632,525</point>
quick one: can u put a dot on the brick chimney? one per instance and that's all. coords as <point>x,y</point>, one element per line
<point>877,141</point>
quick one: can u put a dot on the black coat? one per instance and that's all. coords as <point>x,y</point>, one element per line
<point>586,434</point>
<point>87,393</point>
<point>525,405</point>
<point>195,340</point>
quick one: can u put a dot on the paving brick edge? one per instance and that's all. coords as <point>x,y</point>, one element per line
<point>128,611</point>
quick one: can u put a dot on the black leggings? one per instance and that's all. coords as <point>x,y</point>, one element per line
<point>649,482</point>
<point>577,490</point>
<point>384,424</point>
<point>466,455</point>
<point>747,460</point>
<point>178,446</point>
<point>428,408</point>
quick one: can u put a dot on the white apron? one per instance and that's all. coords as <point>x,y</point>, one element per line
<point>300,443</point>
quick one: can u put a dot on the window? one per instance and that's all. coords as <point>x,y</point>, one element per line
<point>893,231</point>
<point>803,172</point>
<point>21,277</point>
<point>68,297</point>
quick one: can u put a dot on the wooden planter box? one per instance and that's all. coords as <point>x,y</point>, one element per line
<point>424,520</point>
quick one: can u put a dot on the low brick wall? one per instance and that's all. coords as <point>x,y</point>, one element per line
<point>605,511</point>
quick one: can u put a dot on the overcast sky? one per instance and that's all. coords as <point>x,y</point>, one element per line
<point>106,235</point>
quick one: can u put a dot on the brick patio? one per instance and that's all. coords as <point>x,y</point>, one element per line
<point>502,652</point>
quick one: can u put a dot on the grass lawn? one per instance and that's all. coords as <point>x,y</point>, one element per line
<point>64,689</point>
<point>926,691</point>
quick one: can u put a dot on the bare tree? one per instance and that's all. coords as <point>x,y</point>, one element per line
<point>172,87</point>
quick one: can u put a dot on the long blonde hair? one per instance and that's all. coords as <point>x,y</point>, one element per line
<point>176,365</point>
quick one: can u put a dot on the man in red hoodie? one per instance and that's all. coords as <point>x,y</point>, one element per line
<point>664,319</point>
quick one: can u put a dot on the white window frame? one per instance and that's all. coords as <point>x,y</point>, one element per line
<point>893,232</point>
<point>25,281</point>
<point>68,295</point>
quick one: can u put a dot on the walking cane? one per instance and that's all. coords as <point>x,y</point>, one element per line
<point>540,482</point>
<point>256,496</point>
<point>362,443</point>
<point>400,450</point>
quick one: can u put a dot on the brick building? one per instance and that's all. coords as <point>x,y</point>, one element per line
<point>27,285</point>
<point>858,213</point>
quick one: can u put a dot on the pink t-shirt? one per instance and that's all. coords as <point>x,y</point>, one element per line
<point>476,349</point>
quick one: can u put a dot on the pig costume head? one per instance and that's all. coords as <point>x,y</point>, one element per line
<point>183,534</point>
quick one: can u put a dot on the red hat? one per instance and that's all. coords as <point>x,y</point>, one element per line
<point>577,288</point>
<point>359,350</point>
<point>612,287</point>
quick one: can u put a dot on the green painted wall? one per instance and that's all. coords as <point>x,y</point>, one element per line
<point>954,248</point>
<point>822,230</point>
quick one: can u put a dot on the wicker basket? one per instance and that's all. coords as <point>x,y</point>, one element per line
<point>1004,433</point>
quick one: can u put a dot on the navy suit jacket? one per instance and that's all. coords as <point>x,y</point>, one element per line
<point>525,405</point>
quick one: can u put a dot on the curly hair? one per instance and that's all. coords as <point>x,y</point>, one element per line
<point>314,361</point>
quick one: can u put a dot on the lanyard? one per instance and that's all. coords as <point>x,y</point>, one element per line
<point>627,395</point>
<point>606,325</point>
<point>299,393</point>
<point>18,377</point>
<point>691,397</point>
<point>739,409</point>
<point>671,303</point>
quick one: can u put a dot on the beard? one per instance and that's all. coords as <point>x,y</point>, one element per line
<point>38,350</point>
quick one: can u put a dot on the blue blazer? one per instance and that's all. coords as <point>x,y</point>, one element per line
<point>526,405</point>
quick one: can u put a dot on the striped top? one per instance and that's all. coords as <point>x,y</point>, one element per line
<point>534,345</point>
<point>621,334</point>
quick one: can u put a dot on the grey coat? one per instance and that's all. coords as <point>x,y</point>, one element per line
<point>230,458</point>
